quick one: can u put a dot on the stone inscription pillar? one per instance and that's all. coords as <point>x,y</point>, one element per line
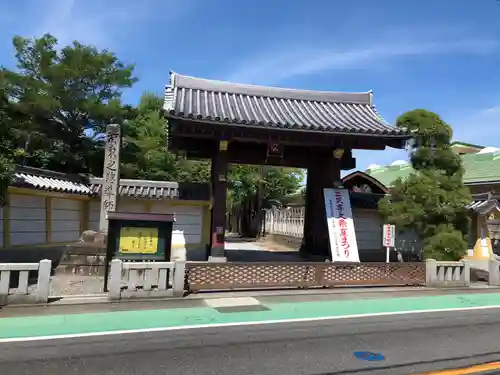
<point>323,172</point>
<point>219,193</point>
<point>111,175</point>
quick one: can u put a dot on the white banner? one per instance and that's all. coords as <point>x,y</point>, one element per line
<point>343,245</point>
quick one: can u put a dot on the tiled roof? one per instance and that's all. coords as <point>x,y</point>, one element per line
<point>387,175</point>
<point>156,189</point>
<point>287,109</point>
<point>35,178</point>
<point>483,203</point>
<point>479,168</point>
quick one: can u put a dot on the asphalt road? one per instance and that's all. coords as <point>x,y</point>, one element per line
<point>410,344</point>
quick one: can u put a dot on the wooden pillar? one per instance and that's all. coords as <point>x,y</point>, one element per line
<point>111,175</point>
<point>219,193</point>
<point>323,172</point>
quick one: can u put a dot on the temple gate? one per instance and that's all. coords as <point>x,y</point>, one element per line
<point>247,124</point>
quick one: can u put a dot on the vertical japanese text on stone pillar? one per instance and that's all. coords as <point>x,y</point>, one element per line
<point>111,174</point>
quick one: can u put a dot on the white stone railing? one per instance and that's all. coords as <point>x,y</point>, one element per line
<point>146,279</point>
<point>285,222</point>
<point>23,293</point>
<point>494,271</point>
<point>447,274</point>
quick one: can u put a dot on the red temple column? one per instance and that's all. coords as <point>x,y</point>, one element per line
<point>219,193</point>
<point>323,172</point>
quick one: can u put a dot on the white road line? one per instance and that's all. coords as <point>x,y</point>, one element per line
<point>238,324</point>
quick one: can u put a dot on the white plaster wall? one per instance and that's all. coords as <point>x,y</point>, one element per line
<point>94,210</point>
<point>27,219</point>
<point>66,220</point>
<point>188,221</point>
<point>132,205</point>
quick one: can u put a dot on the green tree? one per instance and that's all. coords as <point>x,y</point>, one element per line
<point>432,200</point>
<point>252,188</point>
<point>7,153</point>
<point>61,92</point>
<point>145,154</point>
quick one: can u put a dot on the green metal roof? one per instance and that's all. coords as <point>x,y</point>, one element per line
<point>464,144</point>
<point>479,168</point>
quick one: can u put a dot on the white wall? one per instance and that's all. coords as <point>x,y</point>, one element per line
<point>28,215</point>
<point>94,212</point>
<point>188,219</point>
<point>27,219</point>
<point>65,220</point>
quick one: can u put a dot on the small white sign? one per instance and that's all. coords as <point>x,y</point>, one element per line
<point>389,235</point>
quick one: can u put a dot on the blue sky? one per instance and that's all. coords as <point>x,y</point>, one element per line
<point>442,55</point>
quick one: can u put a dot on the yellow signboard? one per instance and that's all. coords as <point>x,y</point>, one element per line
<point>138,240</point>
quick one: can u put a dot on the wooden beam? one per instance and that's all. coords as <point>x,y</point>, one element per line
<point>287,137</point>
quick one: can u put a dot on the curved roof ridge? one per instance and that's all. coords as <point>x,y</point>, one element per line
<point>190,82</point>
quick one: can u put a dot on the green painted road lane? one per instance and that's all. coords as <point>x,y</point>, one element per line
<point>75,324</point>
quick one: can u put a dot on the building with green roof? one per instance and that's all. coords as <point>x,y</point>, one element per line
<point>481,165</point>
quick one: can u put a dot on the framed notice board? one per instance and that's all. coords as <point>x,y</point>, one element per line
<point>138,237</point>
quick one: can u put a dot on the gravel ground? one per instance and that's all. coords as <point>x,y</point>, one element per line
<point>76,285</point>
<point>64,285</point>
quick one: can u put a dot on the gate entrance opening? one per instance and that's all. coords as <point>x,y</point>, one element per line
<point>246,124</point>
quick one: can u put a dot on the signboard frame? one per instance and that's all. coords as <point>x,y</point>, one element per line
<point>162,224</point>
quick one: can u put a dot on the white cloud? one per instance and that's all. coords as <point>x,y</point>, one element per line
<point>102,23</point>
<point>477,126</point>
<point>279,65</point>
<point>490,112</point>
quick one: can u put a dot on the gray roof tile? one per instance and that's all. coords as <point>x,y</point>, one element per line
<point>141,188</point>
<point>41,179</point>
<point>484,203</point>
<point>248,105</point>
<point>156,189</point>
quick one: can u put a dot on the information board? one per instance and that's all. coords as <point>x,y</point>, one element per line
<point>138,240</point>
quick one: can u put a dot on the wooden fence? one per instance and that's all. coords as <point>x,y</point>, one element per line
<point>223,276</point>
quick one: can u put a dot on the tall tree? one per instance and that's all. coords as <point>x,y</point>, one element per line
<point>146,155</point>
<point>432,200</point>
<point>62,92</point>
<point>252,188</point>
<point>7,153</point>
